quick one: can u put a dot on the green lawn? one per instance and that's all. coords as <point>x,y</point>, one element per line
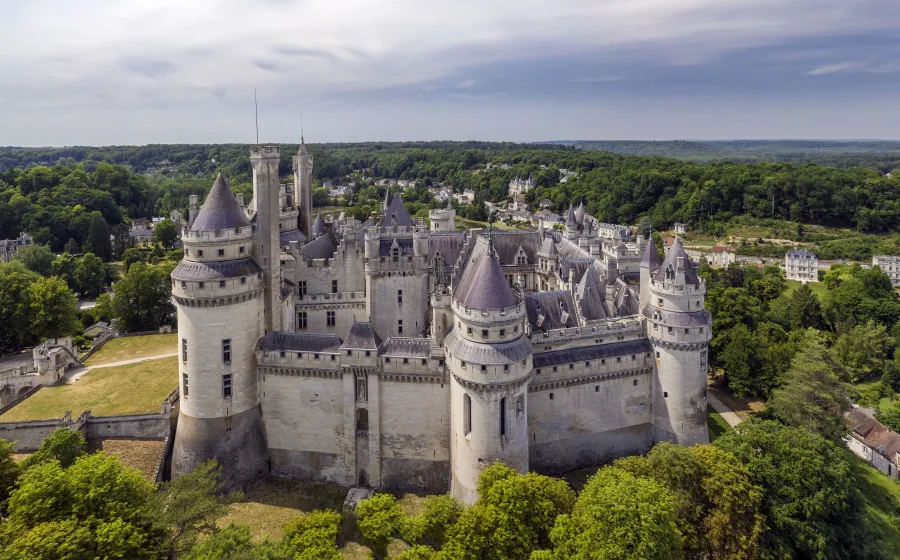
<point>818,288</point>
<point>131,389</point>
<point>132,347</point>
<point>717,426</point>
<point>882,506</point>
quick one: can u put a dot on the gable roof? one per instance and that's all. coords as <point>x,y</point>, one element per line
<point>591,296</point>
<point>220,210</point>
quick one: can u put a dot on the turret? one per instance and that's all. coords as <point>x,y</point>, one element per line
<point>218,289</point>
<point>489,358</point>
<point>303,166</point>
<point>679,329</point>
<point>649,265</point>
<point>267,242</point>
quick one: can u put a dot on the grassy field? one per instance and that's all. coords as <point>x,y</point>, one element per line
<point>882,506</point>
<point>130,389</point>
<point>139,454</point>
<point>717,426</point>
<point>818,288</point>
<point>132,347</point>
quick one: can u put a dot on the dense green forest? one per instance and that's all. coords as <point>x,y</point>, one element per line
<point>53,193</point>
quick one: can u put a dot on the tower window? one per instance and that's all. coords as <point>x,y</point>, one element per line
<point>226,385</point>
<point>199,252</point>
<point>329,318</point>
<point>221,283</point>
<point>226,350</point>
<point>596,388</point>
<point>301,321</point>
<point>467,414</point>
<point>221,252</point>
<point>184,383</point>
<point>349,352</point>
<point>334,286</point>
<point>551,396</point>
<point>657,353</point>
<point>282,354</point>
<point>243,281</point>
<point>503,417</point>
<point>184,350</point>
<point>302,288</point>
<point>468,330</point>
<point>399,297</point>
<point>406,361</point>
<point>400,326</point>
<point>670,330</point>
<point>483,369</point>
<point>634,382</point>
<point>200,285</point>
<point>665,394</point>
<point>241,249</point>
<point>484,333</point>
<point>502,333</point>
<point>183,284</point>
<point>660,301</point>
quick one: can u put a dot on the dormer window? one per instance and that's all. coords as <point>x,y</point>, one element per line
<point>670,274</point>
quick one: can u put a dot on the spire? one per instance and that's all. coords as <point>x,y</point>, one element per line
<point>482,284</point>
<point>396,211</point>
<point>579,213</point>
<point>651,256</point>
<point>387,199</point>
<point>570,219</point>
<point>676,262</point>
<point>319,225</point>
<point>220,210</point>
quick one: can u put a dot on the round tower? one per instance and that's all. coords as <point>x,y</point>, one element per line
<point>489,359</point>
<point>218,289</point>
<point>679,329</point>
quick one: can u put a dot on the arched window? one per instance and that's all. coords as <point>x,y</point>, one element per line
<point>670,273</point>
<point>362,419</point>
<point>503,417</point>
<point>467,414</point>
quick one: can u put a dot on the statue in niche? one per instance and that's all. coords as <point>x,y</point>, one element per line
<point>361,389</point>
<point>520,406</point>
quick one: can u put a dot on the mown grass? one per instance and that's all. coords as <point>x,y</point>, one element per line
<point>881,514</point>
<point>133,347</point>
<point>716,425</point>
<point>817,288</point>
<point>130,389</point>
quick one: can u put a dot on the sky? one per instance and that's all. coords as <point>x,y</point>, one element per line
<point>99,72</point>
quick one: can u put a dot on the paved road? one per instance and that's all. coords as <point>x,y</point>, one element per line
<point>729,416</point>
<point>75,374</point>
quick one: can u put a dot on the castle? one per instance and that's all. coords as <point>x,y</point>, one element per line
<point>386,354</point>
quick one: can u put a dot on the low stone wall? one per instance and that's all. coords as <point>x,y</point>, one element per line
<point>136,426</point>
<point>29,435</point>
<point>98,344</point>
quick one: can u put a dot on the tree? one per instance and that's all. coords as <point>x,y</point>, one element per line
<point>15,305</point>
<point>742,360</point>
<point>165,233</point>
<point>63,446</point>
<point>98,240</point>
<point>512,517</point>
<point>92,509</point>
<point>235,543</point>
<point>90,275</point>
<point>439,513</point>
<point>804,309</point>
<point>717,507</point>
<point>131,256</point>
<point>9,472</point>
<point>864,349</point>
<point>53,310</point>
<point>64,267</point>
<point>807,516</point>
<point>617,516</point>
<point>313,535</point>
<point>36,258</point>
<point>889,415</point>
<point>142,298</point>
<point>188,506</point>
<point>644,227</point>
<point>812,396</point>
<point>378,518</point>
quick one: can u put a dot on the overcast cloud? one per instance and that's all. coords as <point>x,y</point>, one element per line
<point>129,72</point>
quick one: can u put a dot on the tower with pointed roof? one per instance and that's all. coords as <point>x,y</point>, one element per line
<point>679,328</point>
<point>489,359</point>
<point>303,166</point>
<point>267,239</point>
<point>218,289</point>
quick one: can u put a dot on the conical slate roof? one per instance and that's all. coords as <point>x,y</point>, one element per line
<point>579,213</point>
<point>220,210</point>
<point>676,251</point>
<point>591,296</point>
<point>482,284</point>
<point>319,225</point>
<point>396,211</point>
<point>570,219</point>
<point>651,256</point>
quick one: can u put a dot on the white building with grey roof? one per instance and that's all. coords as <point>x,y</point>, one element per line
<point>801,265</point>
<point>392,355</point>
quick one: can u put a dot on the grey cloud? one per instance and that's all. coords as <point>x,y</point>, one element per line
<point>154,69</point>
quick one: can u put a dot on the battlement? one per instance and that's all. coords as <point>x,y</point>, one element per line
<point>340,297</point>
<point>266,151</point>
<point>669,288</point>
<point>374,233</point>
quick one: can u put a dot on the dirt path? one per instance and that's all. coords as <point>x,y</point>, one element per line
<point>74,375</point>
<point>729,416</point>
